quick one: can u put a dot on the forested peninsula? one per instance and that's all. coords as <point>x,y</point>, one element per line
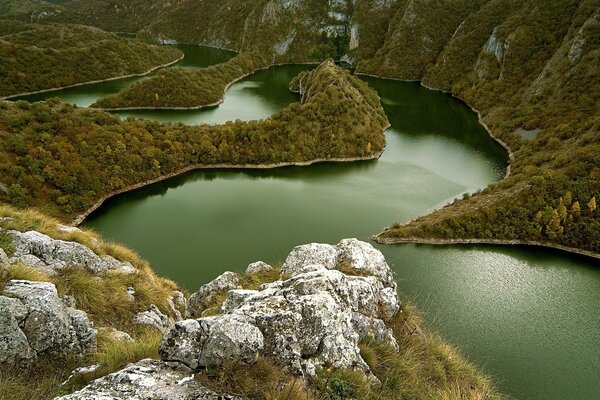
<point>63,160</point>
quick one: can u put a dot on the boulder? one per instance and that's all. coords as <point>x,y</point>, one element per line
<point>223,338</point>
<point>40,251</point>
<point>35,322</point>
<point>153,318</point>
<point>314,316</point>
<point>206,295</point>
<point>258,267</point>
<point>146,380</point>
<point>309,254</point>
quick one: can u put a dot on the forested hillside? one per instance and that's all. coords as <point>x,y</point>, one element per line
<point>530,67</point>
<point>38,57</point>
<point>63,160</point>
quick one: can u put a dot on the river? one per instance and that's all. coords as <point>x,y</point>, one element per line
<point>528,316</point>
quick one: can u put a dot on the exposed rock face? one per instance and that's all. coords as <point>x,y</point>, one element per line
<point>37,250</point>
<point>199,301</point>
<point>226,337</point>
<point>146,380</point>
<point>34,322</point>
<point>328,299</point>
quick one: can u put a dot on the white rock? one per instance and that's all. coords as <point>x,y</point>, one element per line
<point>315,317</point>
<point>153,318</point>
<point>37,315</point>
<point>203,298</point>
<point>146,380</point>
<point>41,251</point>
<point>258,267</point>
<point>309,254</point>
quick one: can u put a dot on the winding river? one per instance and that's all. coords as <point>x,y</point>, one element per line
<point>528,316</point>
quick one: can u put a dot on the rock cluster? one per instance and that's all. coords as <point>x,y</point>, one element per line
<point>35,322</point>
<point>146,380</point>
<point>328,299</point>
<point>40,251</point>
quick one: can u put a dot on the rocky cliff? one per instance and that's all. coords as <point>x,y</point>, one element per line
<point>76,310</point>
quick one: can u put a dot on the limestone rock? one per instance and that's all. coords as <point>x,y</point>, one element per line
<point>201,300</point>
<point>41,251</point>
<point>309,254</point>
<point>328,299</point>
<point>146,380</point>
<point>177,303</point>
<point>258,267</point>
<point>235,298</point>
<point>153,318</point>
<point>35,322</point>
<point>227,337</point>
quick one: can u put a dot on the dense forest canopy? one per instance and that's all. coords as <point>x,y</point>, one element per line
<point>37,57</point>
<point>62,159</point>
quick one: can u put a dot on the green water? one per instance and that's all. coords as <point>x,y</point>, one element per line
<point>195,56</point>
<point>528,316</point>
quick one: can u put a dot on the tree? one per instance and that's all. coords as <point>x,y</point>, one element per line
<point>576,210</point>
<point>592,204</point>
<point>554,228</point>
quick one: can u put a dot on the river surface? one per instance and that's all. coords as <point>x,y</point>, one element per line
<point>530,317</point>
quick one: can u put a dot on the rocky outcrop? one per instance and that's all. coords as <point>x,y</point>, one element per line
<point>328,299</point>
<point>40,251</point>
<point>258,267</point>
<point>146,380</point>
<point>153,318</point>
<point>35,322</point>
<point>206,295</point>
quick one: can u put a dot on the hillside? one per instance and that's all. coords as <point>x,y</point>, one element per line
<point>64,160</point>
<point>530,68</point>
<point>37,57</point>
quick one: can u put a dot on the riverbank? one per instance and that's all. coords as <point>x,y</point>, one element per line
<point>12,96</point>
<point>202,106</point>
<point>495,242</point>
<point>511,156</point>
<point>81,217</point>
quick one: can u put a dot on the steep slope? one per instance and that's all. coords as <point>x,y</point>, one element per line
<point>39,57</point>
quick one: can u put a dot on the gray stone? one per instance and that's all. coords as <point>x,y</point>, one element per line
<point>362,258</point>
<point>309,254</point>
<point>3,258</point>
<point>177,303</point>
<point>41,251</point>
<point>314,316</point>
<point>235,298</point>
<point>146,380</point>
<point>205,296</point>
<point>258,267</point>
<point>35,322</point>
<point>153,318</point>
<point>14,347</point>
<point>223,338</point>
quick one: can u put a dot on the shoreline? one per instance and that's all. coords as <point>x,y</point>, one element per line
<point>495,242</point>
<point>197,167</point>
<point>511,156</point>
<point>199,107</point>
<point>449,242</point>
<point>12,96</point>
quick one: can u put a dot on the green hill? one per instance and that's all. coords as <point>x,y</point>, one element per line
<point>37,57</point>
